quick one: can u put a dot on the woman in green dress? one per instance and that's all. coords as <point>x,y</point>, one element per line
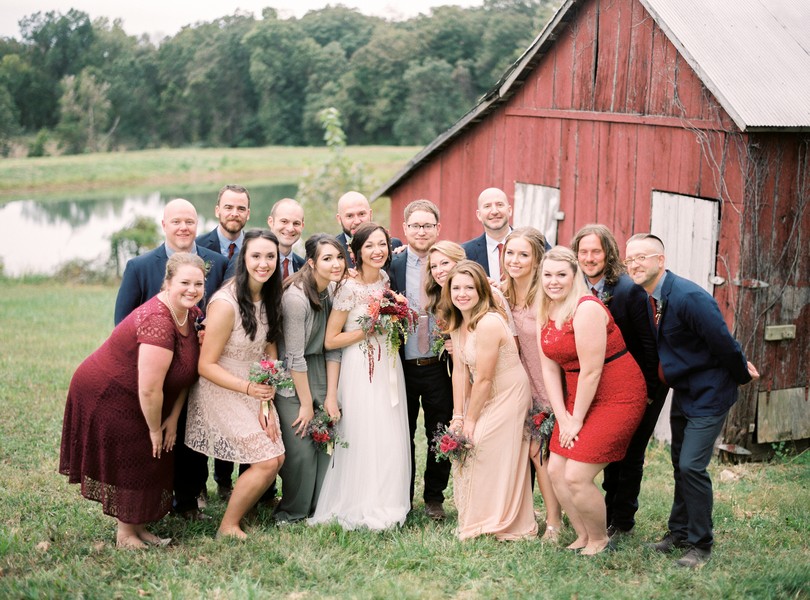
<point>305,306</point>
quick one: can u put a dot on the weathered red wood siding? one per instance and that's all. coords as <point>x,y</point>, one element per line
<point>613,112</point>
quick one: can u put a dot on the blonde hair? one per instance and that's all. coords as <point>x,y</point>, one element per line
<point>433,290</point>
<point>486,300</point>
<point>538,245</point>
<point>177,260</point>
<point>567,306</point>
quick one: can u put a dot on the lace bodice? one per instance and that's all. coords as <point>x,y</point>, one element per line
<point>353,296</point>
<point>240,347</point>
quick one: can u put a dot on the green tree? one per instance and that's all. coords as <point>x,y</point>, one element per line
<point>84,112</point>
<point>346,26</point>
<point>435,100</point>
<point>9,119</point>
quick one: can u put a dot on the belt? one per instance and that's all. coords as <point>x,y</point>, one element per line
<point>619,354</point>
<point>422,362</point>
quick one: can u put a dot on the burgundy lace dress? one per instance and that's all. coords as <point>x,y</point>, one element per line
<point>105,439</point>
<point>619,401</point>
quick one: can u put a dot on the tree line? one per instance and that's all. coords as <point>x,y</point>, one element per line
<point>245,81</point>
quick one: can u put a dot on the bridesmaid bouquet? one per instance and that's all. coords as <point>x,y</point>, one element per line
<point>270,372</point>
<point>539,425</point>
<point>451,445</point>
<point>321,430</point>
<point>389,316</point>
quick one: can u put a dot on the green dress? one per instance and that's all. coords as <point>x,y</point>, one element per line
<point>304,466</point>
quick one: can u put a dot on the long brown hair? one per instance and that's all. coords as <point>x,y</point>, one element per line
<point>613,263</point>
<point>304,278</point>
<point>486,300</point>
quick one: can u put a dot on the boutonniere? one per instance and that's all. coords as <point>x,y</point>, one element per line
<point>604,296</point>
<point>208,264</point>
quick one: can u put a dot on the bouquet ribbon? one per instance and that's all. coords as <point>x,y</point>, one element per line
<point>393,387</point>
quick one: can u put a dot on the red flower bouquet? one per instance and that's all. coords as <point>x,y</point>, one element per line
<point>389,316</point>
<point>451,445</point>
<point>539,425</point>
<point>321,430</point>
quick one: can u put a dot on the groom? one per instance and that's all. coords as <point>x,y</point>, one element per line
<point>426,377</point>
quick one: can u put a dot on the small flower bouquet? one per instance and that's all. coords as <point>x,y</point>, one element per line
<point>451,445</point>
<point>390,316</point>
<point>437,339</point>
<point>321,430</point>
<point>539,425</point>
<point>270,372</point>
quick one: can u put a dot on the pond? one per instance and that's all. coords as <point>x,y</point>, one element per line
<point>40,236</point>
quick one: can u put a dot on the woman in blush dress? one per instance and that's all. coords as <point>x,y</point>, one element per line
<point>523,250</point>
<point>305,305</point>
<point>225,418</point>
<point>124,401</point>
<point>491,398</point>
<point>606,397</point>
<point>368,483</point>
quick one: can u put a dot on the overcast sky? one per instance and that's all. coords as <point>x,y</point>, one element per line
<point>166,17</point>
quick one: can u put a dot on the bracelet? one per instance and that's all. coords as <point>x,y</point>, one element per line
<point>247,389</point>
<point>457,417</point>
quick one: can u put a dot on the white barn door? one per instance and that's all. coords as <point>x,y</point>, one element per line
<point>689,228</point>
<point>537,206</point>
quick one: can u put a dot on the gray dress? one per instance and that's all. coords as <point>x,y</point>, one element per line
<point>304,466</point>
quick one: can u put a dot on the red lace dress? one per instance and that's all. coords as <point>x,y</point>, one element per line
<point>105,439</point>
<point>619,401</point>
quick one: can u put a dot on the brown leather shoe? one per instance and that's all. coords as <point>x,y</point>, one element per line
<point>435,511</point>
<point>694,558</point>
<point>224,492</point>
<point>194,515</point>
<point>669,543</point>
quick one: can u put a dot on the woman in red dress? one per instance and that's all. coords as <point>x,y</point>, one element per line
<point>606,394</point>
<point>123,403</point>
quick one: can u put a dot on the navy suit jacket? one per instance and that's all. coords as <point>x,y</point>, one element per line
<point>143,278</point>
<point>341,237</point>
<point>210,241</point>
<point>628,304</point>
<point>476,249</point>
<point>699,357</point>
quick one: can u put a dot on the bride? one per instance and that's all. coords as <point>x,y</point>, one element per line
<point>367,484</point>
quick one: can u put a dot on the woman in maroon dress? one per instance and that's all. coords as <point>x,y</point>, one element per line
<point>606,394</point>
<point>124,401</point>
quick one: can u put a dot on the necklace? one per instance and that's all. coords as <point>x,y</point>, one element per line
<point>171,310</point>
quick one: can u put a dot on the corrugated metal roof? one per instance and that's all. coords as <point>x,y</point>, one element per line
<point>753,55</point>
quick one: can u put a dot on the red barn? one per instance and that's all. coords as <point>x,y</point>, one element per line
<point>687,118</point>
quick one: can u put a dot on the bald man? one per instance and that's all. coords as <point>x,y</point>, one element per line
<point>493,212</point>
<point>286,220</point>
<point>354,210</point>
<point>143,278</point>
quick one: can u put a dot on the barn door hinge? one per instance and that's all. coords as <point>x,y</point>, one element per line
<point>750,283</point>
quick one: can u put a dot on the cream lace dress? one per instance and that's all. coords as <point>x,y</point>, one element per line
<point>222,423</point>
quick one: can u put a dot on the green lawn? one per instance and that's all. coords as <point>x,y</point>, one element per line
<point>188,168</point>
<point>54,544</point>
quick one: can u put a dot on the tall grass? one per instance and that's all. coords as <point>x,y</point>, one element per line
<point>54,544</point>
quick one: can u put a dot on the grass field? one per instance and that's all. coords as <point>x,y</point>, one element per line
<point>190,168</point>
<point>54,544</point>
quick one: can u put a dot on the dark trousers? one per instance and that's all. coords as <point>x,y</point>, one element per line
<point>223,472</point>
<point>693,441</point>
<point>622,482</point>
<point>431,385</point>
<point>190,470</point>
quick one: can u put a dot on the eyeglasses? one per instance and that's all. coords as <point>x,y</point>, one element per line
<point>427,227</point>
<point>638,259</point>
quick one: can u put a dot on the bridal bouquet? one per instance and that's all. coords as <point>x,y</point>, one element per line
<point>270,372</point>
<point>451,445</point>
<point>389,316</point>
<point>539,425</point>
<point>321,430</point>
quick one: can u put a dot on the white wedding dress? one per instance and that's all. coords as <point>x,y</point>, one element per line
<point>368,483</point>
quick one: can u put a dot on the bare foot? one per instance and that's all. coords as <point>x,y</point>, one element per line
<point>552,534</point>
<point>577,544</point>
<point>232,531</point>
<point>595,547</point>
<point>131,542</point>
<point>153,540</point>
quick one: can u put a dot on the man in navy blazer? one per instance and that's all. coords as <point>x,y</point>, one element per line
<point>703,364</point>
<point>233,212</point>
<point>426,377</point>
<point>354,210</point>
<point>286,220</point>
<point>142,279</point>
<point>598,256</point>
<point>494,212</point>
